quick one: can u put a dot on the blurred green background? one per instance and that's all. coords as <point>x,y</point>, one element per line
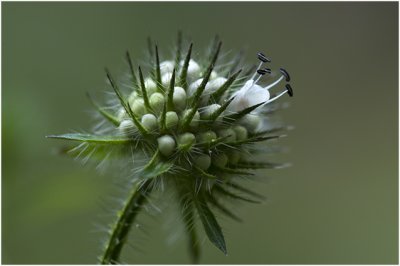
<point>337,204</point>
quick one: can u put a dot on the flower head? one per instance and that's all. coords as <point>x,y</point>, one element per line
<point>194,124</point>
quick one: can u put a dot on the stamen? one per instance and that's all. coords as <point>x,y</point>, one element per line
<point>285,73</point>
<point>262,72</point>
<point>263,58</point>
<point>277,97</point>
<point>289,90</point>
<point>274,83</point>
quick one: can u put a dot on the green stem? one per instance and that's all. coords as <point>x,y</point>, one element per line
<point>126,217</point>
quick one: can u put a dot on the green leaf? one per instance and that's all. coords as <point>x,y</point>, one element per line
<point>245,190</point>
<point>157,166</point>
<point>216,96</point>
<point>223,107</point>
<point>253,140</point>
<point>170,96</point>
<point>195,99</point>
<point>189,221</point>
<point>269,131</point>
<point>222,208</point>
<point>144,92</point>
<point>133,75</point>
<point>111,118</point>
<point>240,114</point>
<point>204,174</point>
<point>219,189</point>
<point>158,70</point>
<point>92,138</point>
<point>183,76</point>
<point>227,170</point>
<point>257,165</point>
<point>178,48</point>
<point>126,106</point>
<point>210,224</point>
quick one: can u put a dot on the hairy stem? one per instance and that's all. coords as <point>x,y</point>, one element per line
<point>126,217</point>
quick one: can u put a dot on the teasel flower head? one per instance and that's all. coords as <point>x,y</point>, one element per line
<point>191,124</point>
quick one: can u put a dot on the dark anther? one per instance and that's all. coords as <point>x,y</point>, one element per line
<point>263,58</point>
<point>261,71</point>
<point>285,73</point>
<point>289,90</point>
<point>268,70</point>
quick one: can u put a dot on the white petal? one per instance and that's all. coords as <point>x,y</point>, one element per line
<point>250,94</point>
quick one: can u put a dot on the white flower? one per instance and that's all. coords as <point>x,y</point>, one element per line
<point>251,94</point>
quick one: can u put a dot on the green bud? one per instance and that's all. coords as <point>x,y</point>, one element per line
<point>195,118</point>
<point>151,86</point>
<point>250,122</point>
<point>202,161</point>
<point>209,110</point>
<point>149,122</point>
<point>220,160</point>
<point>157,102</point>
<point>207,136</point>
<point>166,145</point>
<point>229,133</point>
<point>241,132</point>
<point>132,97</point>
<point>121,114</point>
<point>234,157</point>
<point>186,141</point>
<point>179,98</point>
<point>171,120</point>
<point>138,107</point>
<point>126,127</point>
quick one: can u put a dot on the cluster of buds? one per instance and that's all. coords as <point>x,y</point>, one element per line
<point>194,123</point>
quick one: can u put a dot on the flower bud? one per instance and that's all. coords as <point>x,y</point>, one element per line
<point>251,122</point>
<point>215,84</point>
<point>166,79</point>
<point>220,160</point>
<point>126,126</point>
<point>229,133</point>
<point>202,161</point>
<point>166,67</point>
<point>157,102</point>
<point>179,98</point>
<point>234,157</point>
<point>132,97</point>
<point>195,119</point>
<point>171,120</point>
<point>206,137</point>
<point>193,68</point>
<point>213,75</point>
<point>149,122</point>
<point>166,145</point>
<point>209,110</point>
<point>241,132</point>
<point>151,86</point>
<point>186,140</point>
<point>138,107</point>
<point>121,114</point>
<point>193,86</point>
